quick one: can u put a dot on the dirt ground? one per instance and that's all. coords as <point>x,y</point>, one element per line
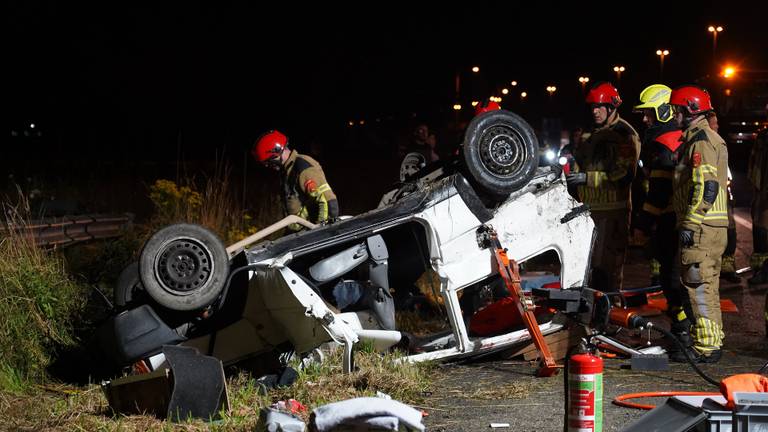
<point>471,396</point>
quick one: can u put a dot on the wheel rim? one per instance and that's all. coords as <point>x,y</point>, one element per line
<point>182,266</point>
<point>503,151</point>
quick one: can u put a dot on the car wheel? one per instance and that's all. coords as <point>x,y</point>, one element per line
<point>500,152</point>
<point>129,287</point>
<point>184,267</point>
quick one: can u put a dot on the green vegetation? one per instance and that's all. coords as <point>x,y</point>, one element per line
<point>39,303</point>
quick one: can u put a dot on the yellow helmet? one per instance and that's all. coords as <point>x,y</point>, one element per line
<point>656,96</point>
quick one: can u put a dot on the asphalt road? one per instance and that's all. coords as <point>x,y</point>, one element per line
<point>471,396</point>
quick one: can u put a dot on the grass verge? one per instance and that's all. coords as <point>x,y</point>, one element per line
<point>61,407</point>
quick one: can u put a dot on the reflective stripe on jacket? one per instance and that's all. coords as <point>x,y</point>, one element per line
<point>703,158</point>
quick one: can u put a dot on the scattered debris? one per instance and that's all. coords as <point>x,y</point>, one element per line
<point>191,385</point>
<point>366,413</point>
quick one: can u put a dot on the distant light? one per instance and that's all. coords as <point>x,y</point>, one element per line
<point>504,91</point>
<point>713,29</point>
<point>618,68</point>
<point>563,161</point>
<point>524,94</point>
<point>727,92</point>
<point>640,163</point>
<point>743,123</point>
<point>475,103</point>
<point>362,122</point>
<point>514,83</point>
<point>351,123</point>
<point>31,125</point>
<point>550,155</point>
<point>729,72</point>
<point>475,69</point>
<point>457,107</point>
<point>757,123</point>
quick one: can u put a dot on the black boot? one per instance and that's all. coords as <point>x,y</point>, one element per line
<point>761,276</point>
<point>695,356</point>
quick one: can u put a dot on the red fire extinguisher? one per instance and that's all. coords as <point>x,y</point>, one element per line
<point>585,393</point>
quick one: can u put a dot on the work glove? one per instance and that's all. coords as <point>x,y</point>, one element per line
<point>574,179</point>
<point>686,237</point>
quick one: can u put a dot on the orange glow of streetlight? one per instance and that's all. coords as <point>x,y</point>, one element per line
<point>729,72</point>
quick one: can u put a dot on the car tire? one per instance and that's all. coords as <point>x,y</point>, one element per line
<point>184,267</point>
<point>129,287</point>
<point>500,152</point>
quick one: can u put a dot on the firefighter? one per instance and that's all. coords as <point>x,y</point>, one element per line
<point>661,149</point>
<point>758,175</point>
<point>757,172</point>
<point>701,204</point>
<point>305,192</point>
<point>605,165</point>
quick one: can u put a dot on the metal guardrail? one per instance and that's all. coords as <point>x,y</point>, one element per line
<point>68,230</point>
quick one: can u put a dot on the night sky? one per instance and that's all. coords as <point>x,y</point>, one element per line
<point>122,80</point>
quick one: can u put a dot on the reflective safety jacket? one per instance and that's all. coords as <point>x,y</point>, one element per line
<point>701,178</point>
<point>305,191</point>
<point>661,145</point>
<point>757,170</point>
<point>609,157</point>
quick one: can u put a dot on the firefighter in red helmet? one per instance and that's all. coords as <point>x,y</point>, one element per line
<point>486,106</point>
<point>306,193</point>
<point>701,205</point>
<point>605,165</point>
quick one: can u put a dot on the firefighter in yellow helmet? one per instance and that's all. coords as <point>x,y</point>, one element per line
<point>660,153</point>
<point>605,166</point>
<point>700,200</point>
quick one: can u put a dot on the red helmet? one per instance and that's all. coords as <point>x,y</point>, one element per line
<point>696,100</point>
<point>484,107</point>
<point>269,146</point>
<point>604,93</point>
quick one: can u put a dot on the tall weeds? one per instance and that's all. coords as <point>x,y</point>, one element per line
<point>211,202</point>
<point>38,301</point>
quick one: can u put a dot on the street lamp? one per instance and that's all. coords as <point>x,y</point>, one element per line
<point>505,91</point>
<point>583,80</point>
<point>714,30</point>
<point>551,90</point>
<point>618,70</point>
<point>661,54</point>
<point>523,95</point>
<point>514,83</point>
<point>475,69</point>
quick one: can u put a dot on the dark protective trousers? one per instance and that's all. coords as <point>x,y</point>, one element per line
<point>610,249</point>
